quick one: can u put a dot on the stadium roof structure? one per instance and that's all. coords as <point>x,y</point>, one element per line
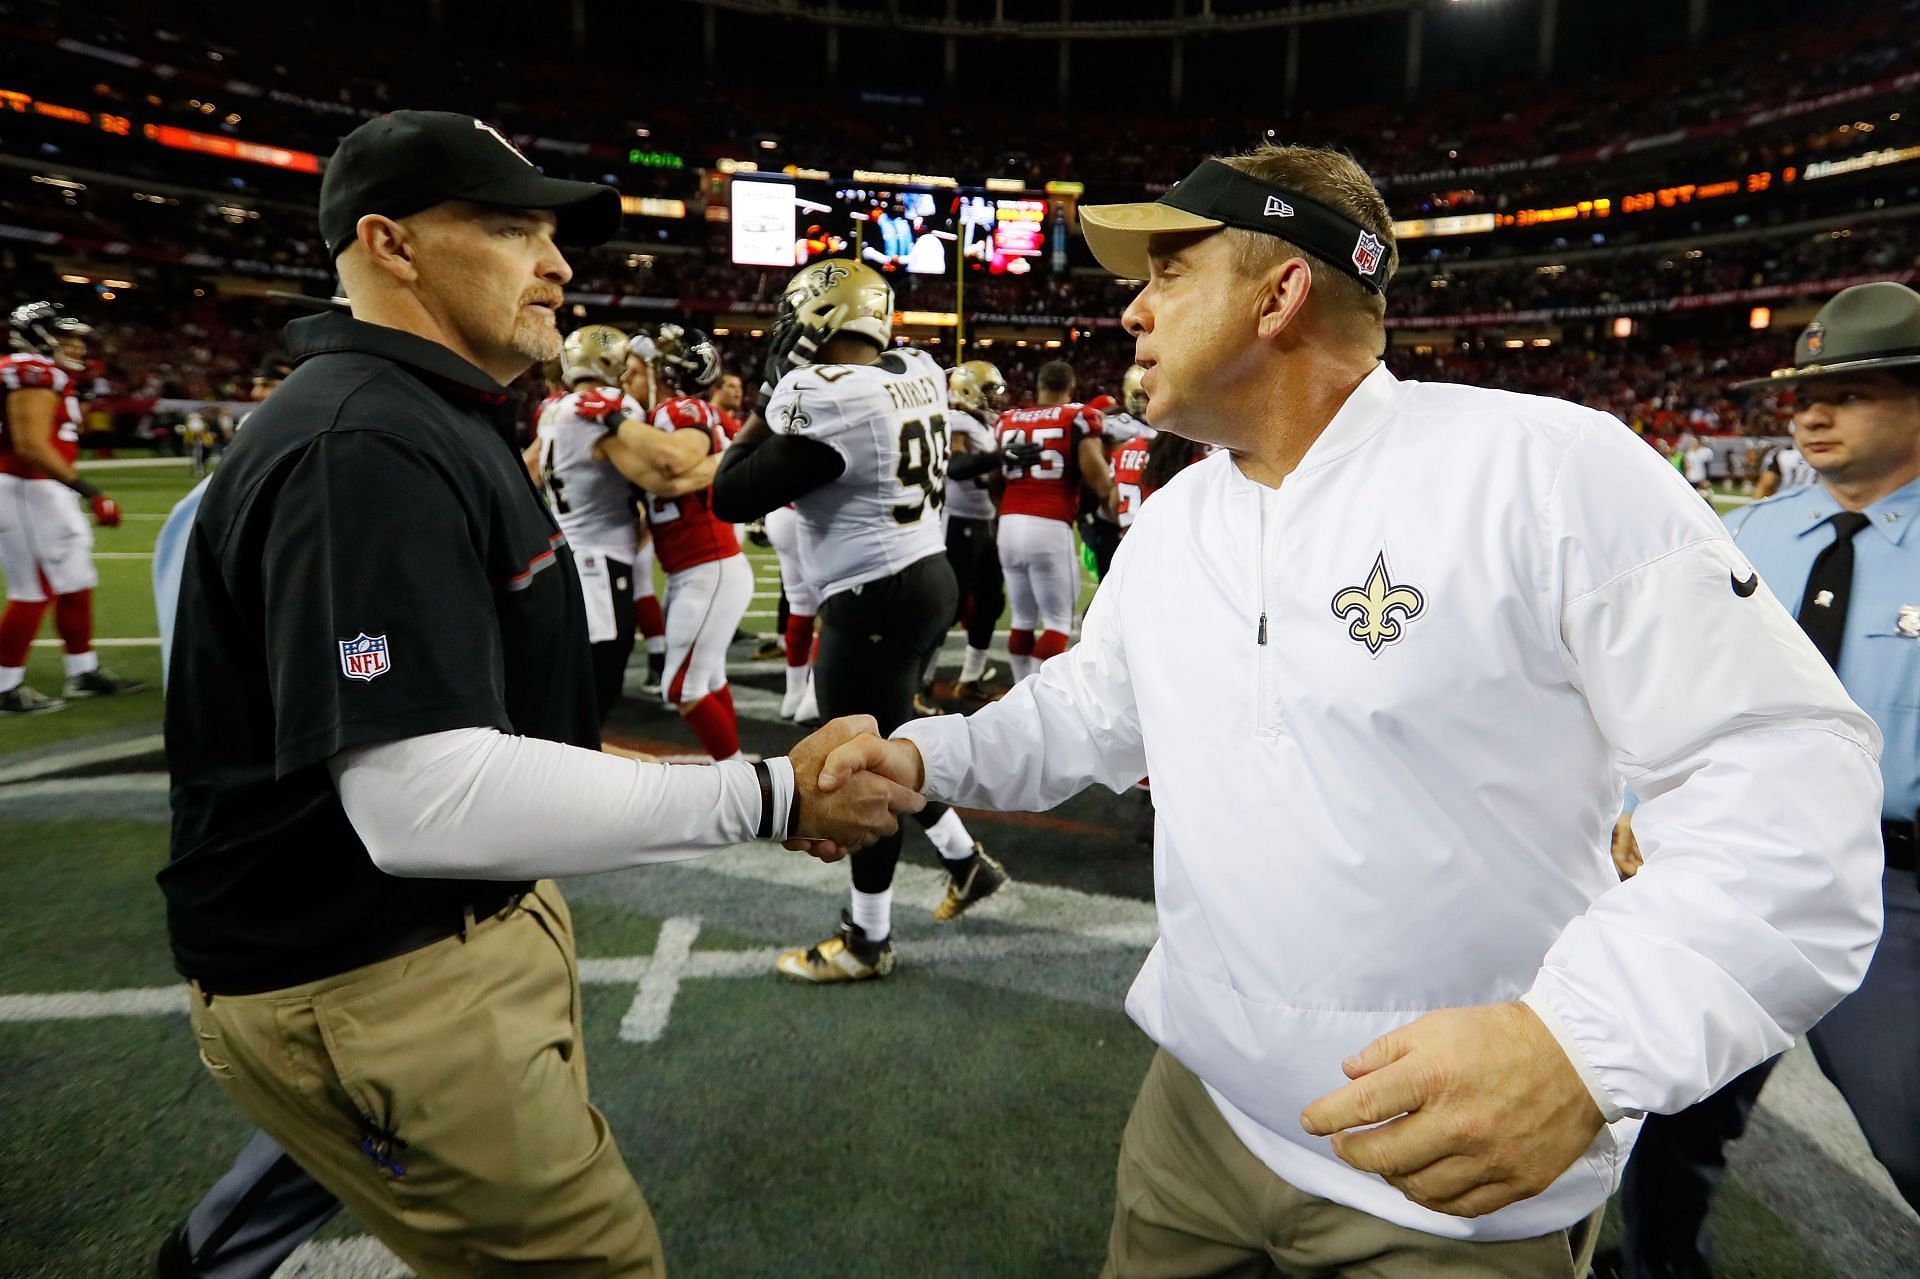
<point>1181,17</point>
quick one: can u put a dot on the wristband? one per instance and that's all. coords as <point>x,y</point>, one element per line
<point>84,489</point>
<point>762,775</point>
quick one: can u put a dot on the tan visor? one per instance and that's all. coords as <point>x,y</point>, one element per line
<point>1118,233</point>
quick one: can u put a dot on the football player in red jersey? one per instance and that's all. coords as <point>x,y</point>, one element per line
<point>1038,510</point>
<point>46,548</point>
<point>709,584</point>
<point>639,382</point>
<point>728,394</point>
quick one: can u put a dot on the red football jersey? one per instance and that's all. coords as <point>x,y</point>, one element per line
<point>21,372</point>
<point>1050,488</point>
<point>1129,479</point>
<point>685,532</point>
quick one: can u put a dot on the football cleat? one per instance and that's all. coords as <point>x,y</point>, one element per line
<point>808,712</point>
<point>924,705</point>
<point>768,649</point>
<point>100,682</point>
<point>985,878</point>
<point>656,670</point>
<point>21,700</point>
<point>845,956</point>
<point>976,688</point>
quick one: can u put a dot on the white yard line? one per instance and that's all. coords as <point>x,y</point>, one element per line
<point>66,761</point>
<point>363,1257</point>
<point>123,463</point>
<point>646,1018</point>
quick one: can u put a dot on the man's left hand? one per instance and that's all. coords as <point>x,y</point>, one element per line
<point>1489,1110</point>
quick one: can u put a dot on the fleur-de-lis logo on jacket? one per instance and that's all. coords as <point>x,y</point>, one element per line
<point>1373,607</point>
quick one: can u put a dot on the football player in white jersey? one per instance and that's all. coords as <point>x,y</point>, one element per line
<point>976,394</point>
<point>1784,469</point>
<point>854,435</point>
<point>800,703</point>
<point>594,448</point>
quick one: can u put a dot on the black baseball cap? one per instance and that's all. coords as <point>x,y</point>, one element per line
<point>1216,195</point>
<point>407,161</point>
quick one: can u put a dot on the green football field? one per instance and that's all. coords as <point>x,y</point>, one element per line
<point>958,1119</point>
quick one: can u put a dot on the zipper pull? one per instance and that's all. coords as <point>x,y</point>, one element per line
<point>1261,636</point>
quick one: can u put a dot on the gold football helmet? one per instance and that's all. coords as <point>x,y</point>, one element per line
<point>828,298</point>
<point>596,353</point>
<point>977,387</point>
<point>1133,396</point>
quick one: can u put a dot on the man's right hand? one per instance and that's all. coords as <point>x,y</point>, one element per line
<point>842,808</point>
<point>896,760</point>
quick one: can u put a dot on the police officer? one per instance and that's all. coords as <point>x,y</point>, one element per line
<point>1841,552</point>
<point>382,735</point>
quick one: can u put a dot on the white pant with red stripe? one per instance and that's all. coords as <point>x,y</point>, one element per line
<point>704,606</point>
<point>1042,568</point>
<point>44,530</point>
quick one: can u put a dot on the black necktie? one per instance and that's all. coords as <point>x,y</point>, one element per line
<point>1823,607</point>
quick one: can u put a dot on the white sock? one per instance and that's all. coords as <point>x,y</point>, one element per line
<point>950,836</point>
<point>974,665</point>
<point>933,667</point>
<point>1022,666</point>
<point>796,680</point>
<point>873,912</point>
<point>658,644</point>
<point>12,677</point>
<point>80,663</point>
<point>737,755</point>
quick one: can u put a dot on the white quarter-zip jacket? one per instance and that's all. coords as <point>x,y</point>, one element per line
<point>1387,708</point>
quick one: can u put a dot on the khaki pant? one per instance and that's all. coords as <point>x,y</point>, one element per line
<point>442,1095</point>
<point>1192,1201</point>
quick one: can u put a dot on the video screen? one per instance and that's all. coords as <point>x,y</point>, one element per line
<point>892,229</point>
<point>763,218</point>
<point>913,231</point>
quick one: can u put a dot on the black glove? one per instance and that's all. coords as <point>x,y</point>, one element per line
<point>1026,453</point>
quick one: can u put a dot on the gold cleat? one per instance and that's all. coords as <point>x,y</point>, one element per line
<point>986,878</point>
<point>845,956</point>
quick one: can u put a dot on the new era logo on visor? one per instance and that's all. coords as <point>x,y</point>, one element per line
<point>1278,208</point>
<point>364,657</point>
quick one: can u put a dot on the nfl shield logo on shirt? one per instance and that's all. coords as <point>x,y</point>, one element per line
<point>363,657</point>
<point>1366,252</point>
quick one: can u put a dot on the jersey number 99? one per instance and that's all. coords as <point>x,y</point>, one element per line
<point>923,467</point>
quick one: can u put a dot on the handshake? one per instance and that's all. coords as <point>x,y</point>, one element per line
<point>850,786</point>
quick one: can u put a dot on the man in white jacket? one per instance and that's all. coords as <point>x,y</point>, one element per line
<point>1434,644</point>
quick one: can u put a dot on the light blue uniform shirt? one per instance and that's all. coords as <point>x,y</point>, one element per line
<point>169,561</point>
<point>1880,654</point>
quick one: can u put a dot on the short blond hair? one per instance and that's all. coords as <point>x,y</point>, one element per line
<point>1332,178</point>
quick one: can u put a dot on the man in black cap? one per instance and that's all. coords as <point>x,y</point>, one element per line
<point>1843,547</point>
<point>382,736</point>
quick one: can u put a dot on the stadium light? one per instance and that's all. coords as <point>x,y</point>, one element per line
<point>1759,318</point>
<point>1622,327</point>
